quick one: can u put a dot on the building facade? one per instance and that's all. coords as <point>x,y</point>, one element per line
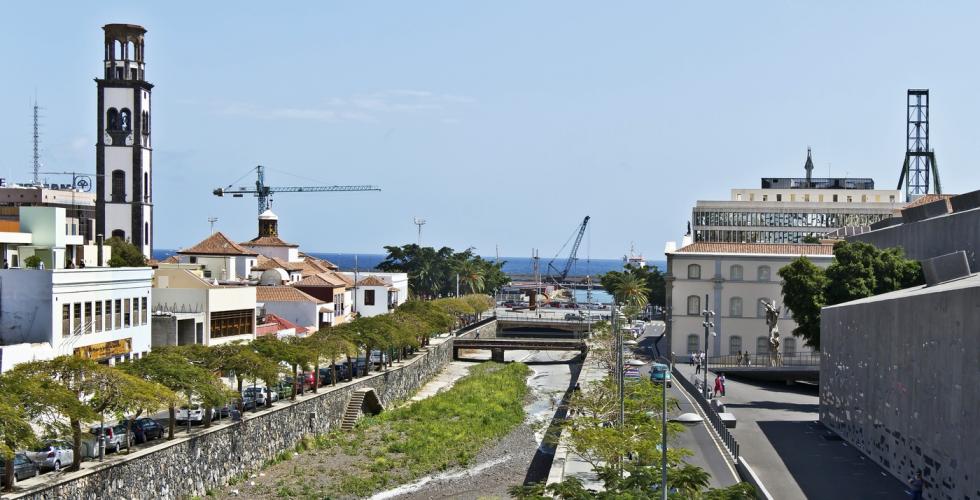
<point>201,311</point>
<point>787,210</point>
<point>123,161</point>
<point>735,281</point>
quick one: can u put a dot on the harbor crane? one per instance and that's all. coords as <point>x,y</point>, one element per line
<point>559,276</point>
<point>264,192</point>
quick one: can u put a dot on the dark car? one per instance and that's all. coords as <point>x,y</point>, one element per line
<point>146,429</point>
<point>246,404</point>
<point>24,468</point>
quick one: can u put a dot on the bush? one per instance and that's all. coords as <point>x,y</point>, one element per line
<point>32,262</point>
<point>125,254</point>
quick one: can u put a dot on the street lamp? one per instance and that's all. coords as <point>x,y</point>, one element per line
<point>663,430</point>
<point>708,325</point>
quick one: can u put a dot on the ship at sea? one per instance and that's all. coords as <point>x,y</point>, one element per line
<point>634,259</point>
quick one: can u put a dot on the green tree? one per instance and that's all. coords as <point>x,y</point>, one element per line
<point>803,293</point>
<point>470,275</point>
<point>859,270</point>
<point>32,262</point>
<point>629,289</point>
<point>125,254</point>
<point>811,239</point>
<point>169,368</point>
<point>432,272</point>
<point>15,431</point>
<point>651,277</point>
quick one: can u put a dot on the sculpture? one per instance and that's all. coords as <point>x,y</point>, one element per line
<point>772,316</point>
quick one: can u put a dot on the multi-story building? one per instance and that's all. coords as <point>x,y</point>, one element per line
<point>60,308</point>
<point>787,210</point>
<point>79,205</point>
<point>377,292</point>
<point>191,309</point>
<point>735,281</point>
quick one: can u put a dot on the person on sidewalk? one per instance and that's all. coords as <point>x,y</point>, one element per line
<point>718,387</point>
<point>916,485</point>
<point>697,367</point>
<point>721,377</point>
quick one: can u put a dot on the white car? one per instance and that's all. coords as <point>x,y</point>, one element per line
<point>194,413</point>
<point>52,455</point>
<point>259,394</point>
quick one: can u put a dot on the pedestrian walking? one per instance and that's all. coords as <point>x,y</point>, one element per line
<point>718,387</point>
<point>916,485</point>
<point>693,355</point>
<point>697,367</point>
<point>721,377</point>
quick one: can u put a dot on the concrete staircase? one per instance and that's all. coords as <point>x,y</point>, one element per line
<point>353,411</point>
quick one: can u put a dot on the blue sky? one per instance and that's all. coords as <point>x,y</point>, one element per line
<point>501,123</point>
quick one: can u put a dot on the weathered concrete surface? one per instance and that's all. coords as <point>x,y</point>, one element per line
<point>192,466</point>
<point>932,237</point>
<point>899,381</point>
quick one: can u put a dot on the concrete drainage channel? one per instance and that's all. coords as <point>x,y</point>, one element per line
<point>192,465</point>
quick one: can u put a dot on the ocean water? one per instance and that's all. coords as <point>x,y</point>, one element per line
<point>512,265</point>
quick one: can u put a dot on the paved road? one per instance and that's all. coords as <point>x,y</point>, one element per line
<point>781,438</point>
<point>708,454</point>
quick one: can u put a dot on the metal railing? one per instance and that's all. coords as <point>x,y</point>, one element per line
<point>731,445</point>
<point>799,359</point>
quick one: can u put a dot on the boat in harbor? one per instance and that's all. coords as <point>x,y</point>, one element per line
<point>634,259</point>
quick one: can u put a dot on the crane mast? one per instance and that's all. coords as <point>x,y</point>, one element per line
<point>264,192</point>
<point>580,232</point>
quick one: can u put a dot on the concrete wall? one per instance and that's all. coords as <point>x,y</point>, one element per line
<point>932,237</point>
<point>192,466</point>
<point>899,382</point>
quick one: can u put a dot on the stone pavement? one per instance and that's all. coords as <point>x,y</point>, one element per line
<point>781,439</point>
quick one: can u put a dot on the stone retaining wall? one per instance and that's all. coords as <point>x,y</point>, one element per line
<point>209,459</point>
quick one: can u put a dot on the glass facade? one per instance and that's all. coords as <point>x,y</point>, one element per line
<point>723,225</point>
<point>229,323</point>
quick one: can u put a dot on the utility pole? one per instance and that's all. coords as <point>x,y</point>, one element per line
<point>617,331</point>
<point>419,222</point>
<point>663,430</point>
<point>708,324</point>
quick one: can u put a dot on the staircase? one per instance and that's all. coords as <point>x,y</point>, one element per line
<point>353,411</point>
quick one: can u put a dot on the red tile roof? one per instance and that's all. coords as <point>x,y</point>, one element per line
<point>267,241</point>
<point>325,264</point>
<point>326,279</point>
<point>283,294</point>
<point>264,263</point>
<point>216,244</point>
<point>372,281</point>
<point>759,248</point>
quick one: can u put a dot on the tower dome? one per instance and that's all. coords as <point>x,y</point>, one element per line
<point>268,224</point>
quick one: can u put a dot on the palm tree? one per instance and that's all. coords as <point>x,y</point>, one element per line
<point>470,275</point>
<point>629,290</point>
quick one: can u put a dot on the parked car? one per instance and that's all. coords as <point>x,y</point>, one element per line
<point>247,403</point>
<point>146,429</point>
<point>52,455</point>
<point>259,394</point>
<point>24,468</point>
<point>326,374</point>
<point>115,436</point>
<point>377,357</point>
<point>574,317</point>
<point>195,413</point>
<point>660,373</point>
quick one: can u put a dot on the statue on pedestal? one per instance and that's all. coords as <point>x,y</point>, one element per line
<point>772,316</point>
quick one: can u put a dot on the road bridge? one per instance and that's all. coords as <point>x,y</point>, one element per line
<point>791,368</point>
<point>498,346</point>
<point>543,324</point>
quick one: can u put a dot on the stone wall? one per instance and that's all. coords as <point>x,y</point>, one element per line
<point>932,237</point>
<point>207,460</point>
<point>898,380</point>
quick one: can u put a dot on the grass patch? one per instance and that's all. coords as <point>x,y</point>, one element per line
<point>435,434</point>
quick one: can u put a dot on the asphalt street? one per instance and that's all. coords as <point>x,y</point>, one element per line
<point>780,437</point>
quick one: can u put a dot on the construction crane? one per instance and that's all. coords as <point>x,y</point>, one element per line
<point>577,234</point>
<point>264,193</point>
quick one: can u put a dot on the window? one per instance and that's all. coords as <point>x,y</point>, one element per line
<point>735,273</point>
<point>891,198</point>
<point>112,119</point>
<point>806,197</point>
<point>125,120</point>
<point>118,186</point>
<point>119,322</point>
<point>765,197</point>
<point>119,233</point>
<point>693,272</point>
<point>146,233</point>
<point>88,318</point>
<point>864,198</point>
<point>760,311</point>
<point>192,259</point>
<point>127,313</point>
<point>751,196</point>
<point>143,311</point>
<point>694,305</point>
<point>369,297</point>
<point>779,197</point>
<point>98,316</point>
<point>789,346</point>
<point>762,345</point>
<point>738,196</point>
<point>108,315</point>
<point>65,320</point>
<point>146,186</point>
<point>230,323</point>
<point>792,197</point>
<point>77,322</point>
<point>764,273</point>
<point>734,344</point>
<point>850,199</point>
<point>820,198</point>
<point>735,307</point>
<point>692,344</point>
<point>145,122</point>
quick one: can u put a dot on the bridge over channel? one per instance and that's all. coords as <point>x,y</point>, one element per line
<point>543,324</point>
<point>790,368</point>
<point>497,346</point>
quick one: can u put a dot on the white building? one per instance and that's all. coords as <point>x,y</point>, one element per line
<point>377,292</point>
<point>221,258</point>
<point>123,160</point>
<point>787,210</point>
<point>190,309</point>
<point>735,278</point>
<point>295,306</point>
<point>100,313</point>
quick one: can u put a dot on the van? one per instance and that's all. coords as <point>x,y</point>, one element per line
<point>660,373</point>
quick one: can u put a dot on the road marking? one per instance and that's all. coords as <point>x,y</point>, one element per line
<point>711,432</point>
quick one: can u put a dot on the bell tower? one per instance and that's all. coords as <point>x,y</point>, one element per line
<point>123,151</point>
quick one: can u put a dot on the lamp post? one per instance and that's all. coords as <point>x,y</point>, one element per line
<point>663,438</point>
<point>708,324</point>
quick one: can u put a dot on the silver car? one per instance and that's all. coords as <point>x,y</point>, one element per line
<point>52,455</point>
